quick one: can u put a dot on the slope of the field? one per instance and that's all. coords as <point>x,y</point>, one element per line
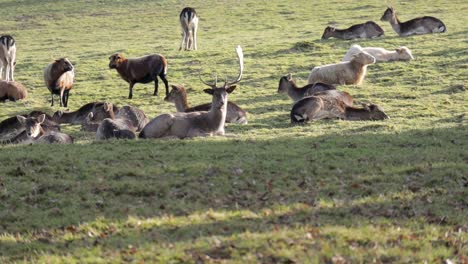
<point>331,191</point>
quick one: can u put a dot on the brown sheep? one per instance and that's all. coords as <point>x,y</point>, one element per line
<point>140,70</point>
<point>12,91</point>
<point>59,77</point>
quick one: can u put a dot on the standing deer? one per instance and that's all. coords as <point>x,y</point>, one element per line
<point>416,26</point>
<point>197,124</point>
<point>7,57</point>
<point>189,23</point>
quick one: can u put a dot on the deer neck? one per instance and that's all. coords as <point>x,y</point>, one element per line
<point>217,115</point>
<point>181,103</point>
<point>352,113</point>
<point>295,92</point>
<point>395,23</point>
<point>339,33</point>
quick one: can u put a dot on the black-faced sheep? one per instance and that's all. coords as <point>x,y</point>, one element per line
<point>140,70</point>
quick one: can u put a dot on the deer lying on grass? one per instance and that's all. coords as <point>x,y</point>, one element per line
<point>34,132</point>
<point>322,106</point>
<point>100,110</point>
<point>178,96</point>
<point>197,124</point>
<point>128,120</point>
<point>416,26</point>
<point>289,86</point>
<point>189,22</point>
<point>365,30</point>
<point>11,127</point>
<point>7,57</point>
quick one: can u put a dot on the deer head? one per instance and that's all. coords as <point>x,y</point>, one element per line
<point>32,125</point>
<point>388,14</point>
<point>220,92</point>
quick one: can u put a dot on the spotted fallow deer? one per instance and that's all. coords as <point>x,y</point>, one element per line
<point>189,23</point>
<point>416,26</point>
<point>36,133</point>
<point>197,124</point>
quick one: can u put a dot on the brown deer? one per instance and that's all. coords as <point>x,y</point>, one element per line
<point>197,124</point>
<point>416,26</point>
<point>178,96</point>
<point>365,30</point>
<point>10,128</point>
<point>321,106</point>
<point>36,133</point>
<point>296,93</point>
<point>128,120</point>
<point>189,22</point>
<point>101,110</point>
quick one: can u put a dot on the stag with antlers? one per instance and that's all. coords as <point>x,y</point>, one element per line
<point>197,124</point>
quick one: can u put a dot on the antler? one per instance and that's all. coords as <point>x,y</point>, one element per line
<point>211,85</point>
<point>240,55</point>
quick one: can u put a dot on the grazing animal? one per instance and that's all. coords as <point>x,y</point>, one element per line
<point>380,54</point>
<point>36,133</point>
<point>349,72</point>
<point>189,23</point>
<point>12,91</point>
<point>100,110</point>
<point>319,107</point>
<point>128,120</point>
<point>416,26</point>
<point>7,57</point>
<point>140,70</point>
<point>197,124</point>
<point>289,86</point>
<point>59,77</point>
<point>11,127</point>
<point>366,30</point>
<point>178,96</point>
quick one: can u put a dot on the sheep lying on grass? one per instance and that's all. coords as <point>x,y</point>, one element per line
<point>12,91</point>
<point>349,72</point>
<point>380,54</point>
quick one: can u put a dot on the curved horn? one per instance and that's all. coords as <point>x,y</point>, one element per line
<point>240,55</point>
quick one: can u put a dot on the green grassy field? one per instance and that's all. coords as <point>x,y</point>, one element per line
<point>332,191</point>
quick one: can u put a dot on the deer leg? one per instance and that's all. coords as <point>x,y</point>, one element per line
<point>166,84</point>
<point>183,39</point>
<point>130,90</point>
<point>7,72</point>
<point>12,70</point>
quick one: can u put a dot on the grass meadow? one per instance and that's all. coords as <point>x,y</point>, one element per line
<point>331,191</point>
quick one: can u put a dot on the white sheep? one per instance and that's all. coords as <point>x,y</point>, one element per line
<point>349,72</point>
<point>380,54</point>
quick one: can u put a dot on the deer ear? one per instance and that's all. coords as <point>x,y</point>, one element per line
<point>21,119</point>
<point>175,87</point>
<point>289,76</point>
<point>209,91</point>
<point>230,89</point>
<point>41,118</point>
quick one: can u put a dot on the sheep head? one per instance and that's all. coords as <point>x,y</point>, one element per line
<point>63,65</point>
<point>115,60</point>
<point>363,58</point>
<point>404,53</point>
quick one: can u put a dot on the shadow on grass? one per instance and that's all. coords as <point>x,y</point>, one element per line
<point>367,178</point>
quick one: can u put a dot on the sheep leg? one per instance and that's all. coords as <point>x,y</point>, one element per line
<point>66,94</point>
<point>166,84</point>
<point>62,102</point>
<point>156,86</point>
<point>52,96</point>
<point>130,92</point>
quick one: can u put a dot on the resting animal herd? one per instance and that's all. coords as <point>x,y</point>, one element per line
<point>318,99</point>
